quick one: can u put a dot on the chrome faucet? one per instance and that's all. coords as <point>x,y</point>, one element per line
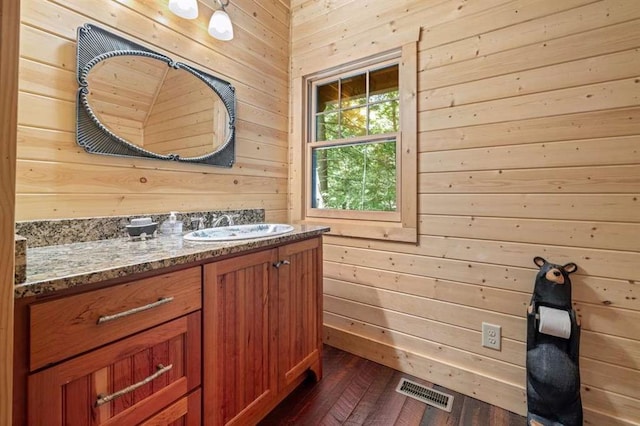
<point>228,217</point>
<point>197,223</point>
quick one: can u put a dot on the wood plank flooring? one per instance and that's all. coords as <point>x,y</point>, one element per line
<point>356,391</point>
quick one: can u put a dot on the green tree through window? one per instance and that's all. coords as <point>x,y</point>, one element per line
<point>356,174</point>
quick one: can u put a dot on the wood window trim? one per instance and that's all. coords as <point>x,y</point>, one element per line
<point>405,227</point>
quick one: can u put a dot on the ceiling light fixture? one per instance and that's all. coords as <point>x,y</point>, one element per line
<point>220,25</point>
<point>187,9</point>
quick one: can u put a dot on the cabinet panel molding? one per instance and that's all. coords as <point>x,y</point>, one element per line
<point>68,326</point>
<point>103,387</point>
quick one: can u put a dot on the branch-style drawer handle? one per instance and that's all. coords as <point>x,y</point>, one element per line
<point>103,399</point>
<point>279,263</point>
<point>107,318</point>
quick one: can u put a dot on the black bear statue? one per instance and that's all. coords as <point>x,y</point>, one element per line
<point>553,374</point>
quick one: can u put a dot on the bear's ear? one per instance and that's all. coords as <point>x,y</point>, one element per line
<point>539,261</point>
<point>570,268</point>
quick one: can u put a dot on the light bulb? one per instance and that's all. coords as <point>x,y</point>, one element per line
<point>220,26</point>
<point>187,9</point>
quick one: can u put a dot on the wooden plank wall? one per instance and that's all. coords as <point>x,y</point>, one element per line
<point>529,144</point>
<point>9,45</point>
<point>57,179</point>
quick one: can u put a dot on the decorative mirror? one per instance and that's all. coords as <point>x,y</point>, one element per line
<point>135,102</point>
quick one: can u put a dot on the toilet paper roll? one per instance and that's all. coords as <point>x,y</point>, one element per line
<point>554,322</point>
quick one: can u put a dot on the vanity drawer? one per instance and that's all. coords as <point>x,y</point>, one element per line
<point>71,325</point>
<point>125,382</point>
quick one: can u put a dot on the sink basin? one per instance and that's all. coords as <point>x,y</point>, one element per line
<point>238,232</point>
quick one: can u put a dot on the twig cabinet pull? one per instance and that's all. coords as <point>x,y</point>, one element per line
<point>279,263</point>
<point>107,318</point>
<point>103,399</point>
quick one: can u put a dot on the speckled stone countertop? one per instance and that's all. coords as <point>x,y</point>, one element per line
<point>59,267</point>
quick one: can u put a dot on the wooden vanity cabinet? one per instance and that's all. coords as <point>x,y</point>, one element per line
<point>219,343</point>
<point>125,383</point>
<point>299,311</point>
<point>262,334</point>
<point>239,310</point>
<point>121,355</point>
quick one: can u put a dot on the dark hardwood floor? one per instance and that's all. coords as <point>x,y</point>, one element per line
<point>356,391</point>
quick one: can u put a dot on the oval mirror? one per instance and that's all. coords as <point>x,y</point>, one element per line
<point>135,102</point>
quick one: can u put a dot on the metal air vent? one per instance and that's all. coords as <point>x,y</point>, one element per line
<point>427,395</point>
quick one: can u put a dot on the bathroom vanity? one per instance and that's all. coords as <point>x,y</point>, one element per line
<point>181,333</point>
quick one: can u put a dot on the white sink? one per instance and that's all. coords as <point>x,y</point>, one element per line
<point>238,232</point>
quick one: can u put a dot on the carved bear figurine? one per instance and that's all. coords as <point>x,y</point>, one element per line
<point>553,375</point>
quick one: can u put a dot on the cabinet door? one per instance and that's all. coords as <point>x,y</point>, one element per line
<point>184,412</point>
<point>239,382</point>
<point>123,383</point>
<point>299,310</point>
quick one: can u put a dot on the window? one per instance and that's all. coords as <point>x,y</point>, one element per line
<point>360,149</point>
<point>356,120</point>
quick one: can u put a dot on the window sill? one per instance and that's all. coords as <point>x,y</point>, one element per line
<point>386,231</point>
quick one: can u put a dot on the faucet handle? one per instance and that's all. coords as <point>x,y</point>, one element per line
<point>197,222</point>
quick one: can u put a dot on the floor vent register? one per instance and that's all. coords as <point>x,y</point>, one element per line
<point>427,395</point>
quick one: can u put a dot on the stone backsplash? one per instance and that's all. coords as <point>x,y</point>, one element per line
<point>21,259</point>
<point>42,233</point>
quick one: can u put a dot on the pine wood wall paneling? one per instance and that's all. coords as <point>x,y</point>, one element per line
<point>39,177</point>
<point>120,16</point>
<point>581,72</point>
<point>526,13</point>
<point>622,150</point>
<point>256,62</point>
<point>473,17</point>
<point>620,93</point>
<point>560,180</point>
<point>593,42</point>
<point>611,208</point>
<point>58,206</point>
<point>602,235</point>
<point>367,16</point>
<point>9,54</point>
<point>401,274</point>
<point>529,146</point>
<point>571,127</point>
<point>620,380</point>
<point>303,10</point>
<point>478,296</point>
<point>594,14</point>
<point>466,317</point>
<point>57,146</point>
<point>47,80</point>
<point>437,332</point>
<point>485,365</point>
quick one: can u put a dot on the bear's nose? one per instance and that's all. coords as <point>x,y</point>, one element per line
<point>557,273</point>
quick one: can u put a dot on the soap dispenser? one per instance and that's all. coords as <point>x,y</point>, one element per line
<point>172,226</point>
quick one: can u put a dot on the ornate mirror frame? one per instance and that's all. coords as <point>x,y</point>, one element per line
<point>95,45</point>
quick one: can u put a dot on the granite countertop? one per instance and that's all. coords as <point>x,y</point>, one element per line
<point>58,267</point>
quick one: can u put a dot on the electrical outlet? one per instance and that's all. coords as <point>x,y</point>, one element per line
<point>491,335</point>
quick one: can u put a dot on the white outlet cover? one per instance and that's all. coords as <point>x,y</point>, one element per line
<point>491,336</point>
